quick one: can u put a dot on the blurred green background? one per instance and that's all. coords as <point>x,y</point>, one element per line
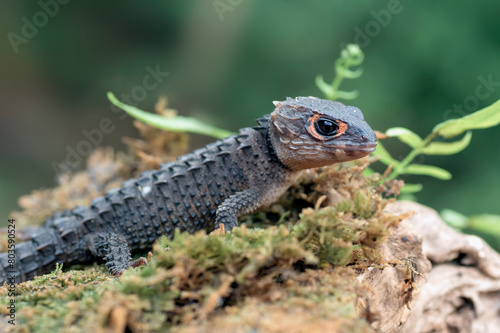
<point>227,60</point>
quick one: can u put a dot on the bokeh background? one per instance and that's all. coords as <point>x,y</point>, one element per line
<point>227,60</point>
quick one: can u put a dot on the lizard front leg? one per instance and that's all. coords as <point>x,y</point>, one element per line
<point>113,248</point>
<point>238,204</point>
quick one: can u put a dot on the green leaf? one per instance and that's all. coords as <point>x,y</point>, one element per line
<point>484,118</point>
<point>174,124</point>
<point>346,72</point>
<point>406,136</point>
<point>411,188</point>
<point>384,155</point>
<point>325,88</point>
<point>427,170</point>
<point>447,148</point>
<point>352,55</point>
<point>486,223</point>
<point>368,171</point>
<point>347,95</point>
<point>454,219</point>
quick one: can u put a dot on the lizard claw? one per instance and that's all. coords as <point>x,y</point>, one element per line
<point>136,263</point>
<point>139,262</point>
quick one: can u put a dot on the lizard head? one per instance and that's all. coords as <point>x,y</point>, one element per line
<point>308,132</point>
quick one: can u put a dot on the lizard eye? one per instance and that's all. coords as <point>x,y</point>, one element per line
<point>326,127</point>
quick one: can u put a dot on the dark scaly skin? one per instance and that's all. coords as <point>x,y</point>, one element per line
<point>211,186</point>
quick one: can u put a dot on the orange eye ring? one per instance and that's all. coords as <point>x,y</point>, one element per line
<point>311,128</point>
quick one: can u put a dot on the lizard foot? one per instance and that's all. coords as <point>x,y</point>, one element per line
<point>139,262</point>
<point>136,263</point>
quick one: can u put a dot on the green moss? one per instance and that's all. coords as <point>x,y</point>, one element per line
<point>54,302</point>
<point>193,278</point>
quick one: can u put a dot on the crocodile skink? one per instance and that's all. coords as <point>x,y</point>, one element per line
<point>213,185</point>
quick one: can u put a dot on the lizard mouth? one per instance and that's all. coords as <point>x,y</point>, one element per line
<point>369,148</point>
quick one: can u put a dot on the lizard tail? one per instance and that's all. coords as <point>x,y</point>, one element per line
<point>37,255</point>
